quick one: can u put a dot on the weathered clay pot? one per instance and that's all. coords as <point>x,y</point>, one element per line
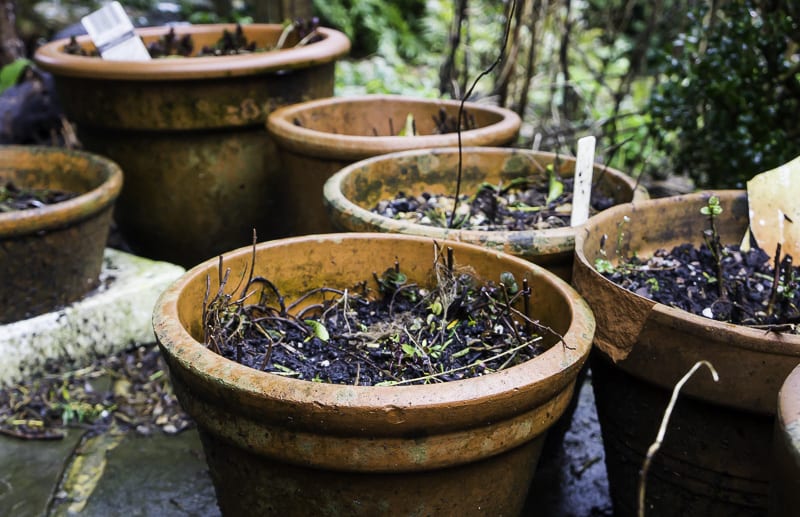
<point>283,446</point>
<point>201,171</point>
<point>716,457</point>
<point>785,495</point>
<point>317,138</point>
<point>52,256</point>
<point>352,192</point>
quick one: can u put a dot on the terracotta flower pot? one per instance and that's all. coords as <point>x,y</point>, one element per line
<point>716,457</point>
<point>201,170</point>
<point>283,446</point>
<point>51,256</point>
<point>785,495</point>
<point>317,138</point>
<point>352,192</point>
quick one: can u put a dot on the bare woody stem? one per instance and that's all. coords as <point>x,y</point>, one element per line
<point>776,278</point>
<point>466,96</point>
<point>717,251</point>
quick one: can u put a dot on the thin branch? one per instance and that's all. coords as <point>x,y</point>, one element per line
<point>461,109</point>
<point>651,451</point>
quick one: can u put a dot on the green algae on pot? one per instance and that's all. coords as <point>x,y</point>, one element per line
<point>352,192</point>
<point>286,446</point>
<point>715,460</point>
<point>785,493</point>
<point>201,171</point>
<point>52,255</point>
<point>317,138</point>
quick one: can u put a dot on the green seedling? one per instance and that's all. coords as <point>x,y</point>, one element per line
<point>713,210</point>
<point>604,266</point>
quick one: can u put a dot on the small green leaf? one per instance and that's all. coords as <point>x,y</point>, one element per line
<point>555,187</point>
<point>319,329</point>
<point>462,352</point>
<point>508,280</point>
<point>11,73</point>
<point>410,127</point>
<point>408,349</point>
<point>604,266</point>
<point>712,208</point>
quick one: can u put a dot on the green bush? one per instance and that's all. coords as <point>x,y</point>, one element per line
<point>377,26</point>
<point>726,108</point>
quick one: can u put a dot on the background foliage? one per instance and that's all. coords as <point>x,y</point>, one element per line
<point>711,96</point>
<point>728,103</point>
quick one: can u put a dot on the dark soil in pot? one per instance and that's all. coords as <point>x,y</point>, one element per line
<point>520,204</point>
<point>384,330</point>
<point>16,197</point>
<point>685,277</point>
<point>725,283</point>
<point>229,44</point>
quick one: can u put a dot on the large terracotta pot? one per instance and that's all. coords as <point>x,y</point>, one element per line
<point>716,457</point>
<point>352,192</point>
<point>51,256</point>
<point>785,495</point>
<point>319,137</point>
<point>201,170</point>
<point>283,446</point>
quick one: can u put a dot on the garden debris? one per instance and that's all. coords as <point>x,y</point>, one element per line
<point>128,391</point>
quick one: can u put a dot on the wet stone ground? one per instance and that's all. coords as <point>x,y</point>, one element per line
<point>115,469</point>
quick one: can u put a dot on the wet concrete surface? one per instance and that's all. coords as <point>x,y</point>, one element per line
<point>144,480</point>
<point>571,477</point>
<point>161,475</point>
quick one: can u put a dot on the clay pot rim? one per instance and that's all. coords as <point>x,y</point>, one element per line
<point>755,339</point>
<point>83,206</point>
<point>334,45</point>
<point>514,383</point>
<point>559,239</point>
<point>789,402</point>
<point>356,147</point>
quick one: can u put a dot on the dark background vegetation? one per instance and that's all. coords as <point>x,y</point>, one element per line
<point>708,90</point>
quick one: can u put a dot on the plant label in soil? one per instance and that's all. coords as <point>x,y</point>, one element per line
<point>774,211</point>
<point>112,33</point>
<point>582,189</point>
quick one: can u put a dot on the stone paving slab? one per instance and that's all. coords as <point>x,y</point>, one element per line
<point>30,472</point>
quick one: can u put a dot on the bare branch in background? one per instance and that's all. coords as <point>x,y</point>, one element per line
<point>11,46</point>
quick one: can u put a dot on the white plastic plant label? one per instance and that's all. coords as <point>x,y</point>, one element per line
<point>582,192</point>
<point>112,33</point>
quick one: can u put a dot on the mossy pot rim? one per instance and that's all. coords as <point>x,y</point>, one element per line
<point>334,45</point>
<point>343,146</point>
<point>559,240</point>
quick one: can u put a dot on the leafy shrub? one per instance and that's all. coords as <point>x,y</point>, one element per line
<point>376,25</point>
<point>731,91</point>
